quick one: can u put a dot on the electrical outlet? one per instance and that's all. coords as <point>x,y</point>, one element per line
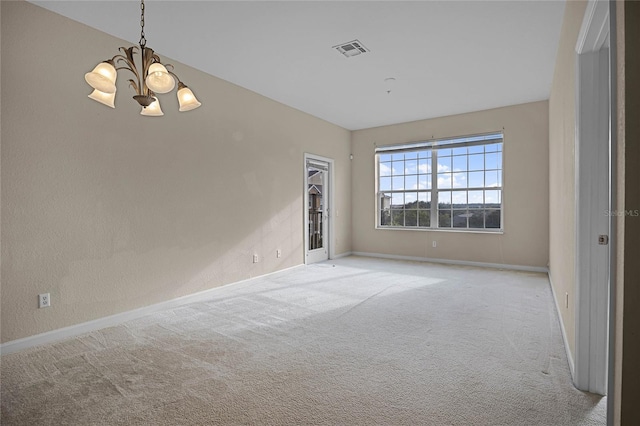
<point>433,244</point>
<point>255,258</point>
<point>278,253</point>
<point>44,300</point>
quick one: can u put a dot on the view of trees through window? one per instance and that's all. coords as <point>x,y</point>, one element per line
<point>455,184</point>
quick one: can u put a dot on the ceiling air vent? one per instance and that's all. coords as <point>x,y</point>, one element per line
<point>352,48</point>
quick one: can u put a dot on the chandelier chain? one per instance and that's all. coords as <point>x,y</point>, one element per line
<point>143,40</point>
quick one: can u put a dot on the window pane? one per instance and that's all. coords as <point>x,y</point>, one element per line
<point>478,149</point>
<point>384,157</point>
<point>493,147</point>
<point>424,197</point>
<point>397,168</point>
<point>476,162</point>
<point>410,218</point>
<point>444,219</point>
<point>444,199</point>
<point>476,198</point>
<point>397,217</point>
<point>460,151</point>
<point>410,200</point>
<point>460,180</point>
<point>476,179</point>
<point>460,163</point>
<point>491,178</point>
<point>398,183</point>
<point>385,201</point>
<point>444,164</point>
<point>411,167</point>
<point>444,151</point>
<point>385,218</point>
<point>397,157</point>
<point>460,218</point>
<point>385,184</point>
<point>424,165</point>
<point>397,200</point>
<point>476,219</point>
<point>459,199</point>
<point>424,182</point>
<point>444,180</point>
<point>385,169</point>
<point>424,218</point>
<point>492,197</point>
<point>411,182</point>
<point>424,154</point>
<point>492,218</point>
<point>491,161</point>
<point>410,155</point>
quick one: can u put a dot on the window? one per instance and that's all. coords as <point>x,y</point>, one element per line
<point>442,184</point>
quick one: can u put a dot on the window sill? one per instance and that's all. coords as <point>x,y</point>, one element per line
<point>451,230</point>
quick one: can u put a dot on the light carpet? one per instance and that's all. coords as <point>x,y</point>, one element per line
<point>355,341</point>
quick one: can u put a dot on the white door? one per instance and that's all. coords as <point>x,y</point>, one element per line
<point>593,200</point>
<point>317,187</point>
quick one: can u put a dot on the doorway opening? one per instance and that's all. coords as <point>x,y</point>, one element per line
<point>317,203</point>
<point>595,157</point>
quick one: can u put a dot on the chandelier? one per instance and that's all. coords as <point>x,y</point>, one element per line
<point>153,78</point>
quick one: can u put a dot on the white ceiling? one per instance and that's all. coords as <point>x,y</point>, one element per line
<point>447,57</point>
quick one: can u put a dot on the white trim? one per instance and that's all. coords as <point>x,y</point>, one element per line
<point>524,268</point>
<point>595,27</point>
<point>116,319</point>
<point>567,349</point>
<point>341,255</point>
<point>592,163</point>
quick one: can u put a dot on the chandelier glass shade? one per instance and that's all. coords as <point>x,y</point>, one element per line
<point>150,79</point>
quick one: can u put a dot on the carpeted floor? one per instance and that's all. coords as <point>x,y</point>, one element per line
<point>356,341</point>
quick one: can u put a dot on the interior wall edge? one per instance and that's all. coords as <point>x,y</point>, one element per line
<point>565,341</point>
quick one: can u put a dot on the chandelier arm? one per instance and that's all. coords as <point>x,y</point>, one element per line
<point>172,73</point>
<point>129,64</point>
<point>148,58</point>
<point>133,84</point>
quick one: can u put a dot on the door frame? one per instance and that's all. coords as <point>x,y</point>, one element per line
<point>593,112</point>
<point>329,238</point>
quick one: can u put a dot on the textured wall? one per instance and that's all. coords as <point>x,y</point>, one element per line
<point>524,242</point>
<point>111,211</point>
<point>562,168</point>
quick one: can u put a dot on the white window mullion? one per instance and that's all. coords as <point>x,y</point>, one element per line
<point>434,188</point>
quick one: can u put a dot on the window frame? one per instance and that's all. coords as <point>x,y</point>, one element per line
<point>433,147</point>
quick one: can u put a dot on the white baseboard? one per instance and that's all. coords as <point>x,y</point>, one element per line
<point>455,262</point>
<point>116,319</point>
<point>338,256</point>
<point>564,333</point>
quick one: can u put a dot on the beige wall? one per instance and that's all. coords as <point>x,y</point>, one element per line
<point>562,169</point>
<point>110,211</point>
<point>524,242</point>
